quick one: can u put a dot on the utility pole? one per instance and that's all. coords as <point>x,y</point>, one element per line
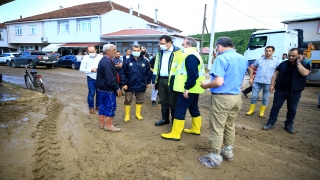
<point>203,26</point>
<point>212,34</point>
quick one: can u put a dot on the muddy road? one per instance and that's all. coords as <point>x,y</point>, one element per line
<point>57,138</point>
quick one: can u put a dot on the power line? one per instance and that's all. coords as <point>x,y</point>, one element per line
<point>247,14</point>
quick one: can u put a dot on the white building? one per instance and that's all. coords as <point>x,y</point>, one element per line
<point>72,29</point>
<point>310,27</point>
<point>4,46</point>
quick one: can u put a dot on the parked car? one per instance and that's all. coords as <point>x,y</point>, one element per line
<point>5,58</point>
<point>68,61</point>
<point>34,59</point>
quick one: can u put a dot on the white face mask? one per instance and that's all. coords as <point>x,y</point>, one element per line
<point>92,55</point>
<point>182,48</point>
<point>163,47</point>
<point>136,54</point>
<point>216,50</point>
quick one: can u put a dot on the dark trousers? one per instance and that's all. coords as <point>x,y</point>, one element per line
<point>167,98</point>
<point>92,88</point>
<point>0,78</point>
<point>280,96</point>
<point>248,90</point>
<point>183,104</point>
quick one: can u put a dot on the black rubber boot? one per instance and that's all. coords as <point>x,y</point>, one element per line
<point>172,114</point>
<point>165,117</point>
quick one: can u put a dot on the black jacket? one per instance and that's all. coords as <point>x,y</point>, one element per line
<point>135,74</point>
<point>298,81</point>
<point>107,76</point>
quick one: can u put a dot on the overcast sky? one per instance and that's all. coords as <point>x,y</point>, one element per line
<point>187,15</point>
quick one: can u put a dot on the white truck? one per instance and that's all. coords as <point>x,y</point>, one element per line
<point>282,40</point>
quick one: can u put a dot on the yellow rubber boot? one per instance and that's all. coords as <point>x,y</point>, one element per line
<point>176,131</point>
<point>196,126</point>
<point>138,111</point>
<point>127,113</point>
<point>251,111</point>
<point>262,109</point>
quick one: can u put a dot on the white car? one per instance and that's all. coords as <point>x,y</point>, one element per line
<point>5,58</point>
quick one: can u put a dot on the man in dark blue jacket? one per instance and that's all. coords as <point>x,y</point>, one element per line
<point>135,77</point>
<point>108,88</point>
<point>288,82</point>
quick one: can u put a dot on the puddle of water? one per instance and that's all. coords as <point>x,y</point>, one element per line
<point>25,119</point>
<point>3,126</point>
<point>6,97</point>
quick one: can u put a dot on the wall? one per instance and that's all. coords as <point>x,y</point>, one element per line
<point>311,29</point>
<point>4,42</point>
<point>117,20</point>
<point>25,37</point>
<point>53,35</point>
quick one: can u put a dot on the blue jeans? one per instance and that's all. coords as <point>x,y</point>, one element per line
<point>108,104</point>
<point>92,87</point>
<point>183,104</point>
<point>280,96</point>
<point>256,87</point>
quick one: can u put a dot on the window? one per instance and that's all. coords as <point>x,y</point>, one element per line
<point>32,29</point>
<point>257,42</point>
<point>152,47</point>
<point>18,30</point>
<point>122,46</point>
<point>84,25</point>
<point>1,35</point>
<point>63,27</point>
<point>25,48</point>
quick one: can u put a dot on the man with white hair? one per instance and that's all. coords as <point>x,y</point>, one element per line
<point>108,87</point>
<point>89,65</point>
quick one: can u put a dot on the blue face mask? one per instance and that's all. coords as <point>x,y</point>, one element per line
<point>136,54</point>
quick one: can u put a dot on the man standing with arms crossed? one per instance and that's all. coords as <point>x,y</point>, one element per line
<point>108,88</point>
<point>266,67</point>
<point>164,73</point>
<point>289,81</point>
<point>227,74</point>
<point>189,73</point>
<point>89,65</point>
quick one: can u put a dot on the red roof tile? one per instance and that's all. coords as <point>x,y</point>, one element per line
<point>89,9</point>
<point>205,50</point>
<point>2,25</point>
<point>79,44</point>
<point>129,32</point>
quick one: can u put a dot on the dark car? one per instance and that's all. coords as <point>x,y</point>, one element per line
<point>68,61</point>
<point>33,59</point>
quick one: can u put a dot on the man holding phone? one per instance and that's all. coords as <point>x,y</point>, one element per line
<point>288,82</point>
<point>117,61</point>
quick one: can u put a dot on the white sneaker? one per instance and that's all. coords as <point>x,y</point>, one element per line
<point>227,153</point>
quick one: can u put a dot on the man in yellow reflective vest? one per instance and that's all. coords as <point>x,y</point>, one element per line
<point>163,76</point>
<point>189,73</point>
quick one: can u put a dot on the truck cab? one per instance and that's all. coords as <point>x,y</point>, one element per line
<point>282,40</point>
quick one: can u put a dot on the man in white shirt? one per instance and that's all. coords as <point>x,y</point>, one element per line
<point>79,59</point>
<point>89,65</point>
<point>163,77</point>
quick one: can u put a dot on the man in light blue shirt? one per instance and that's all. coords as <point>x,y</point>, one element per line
<point>227,74</point>
<point>262,80</point>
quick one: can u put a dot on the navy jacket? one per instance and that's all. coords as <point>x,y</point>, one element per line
<point>107,76</point>
<point>135,74</point>
<point>298,81</point>
<point>192,63</point>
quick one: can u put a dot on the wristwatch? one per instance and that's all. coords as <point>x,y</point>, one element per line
<point>298,63</point>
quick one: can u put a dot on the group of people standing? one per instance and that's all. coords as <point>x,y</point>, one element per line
<point>179,77</point>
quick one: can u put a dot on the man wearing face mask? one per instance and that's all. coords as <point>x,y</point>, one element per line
<point>89,65</point>
<point>135,76</point>
<point>164,74</point>
<point>189,73</point>
<point>127,55</point>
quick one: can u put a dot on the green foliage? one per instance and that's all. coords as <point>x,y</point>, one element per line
<point>205,59</point>
<point>240,38</point>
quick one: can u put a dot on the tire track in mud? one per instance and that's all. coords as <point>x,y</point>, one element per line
<point>47,153</point>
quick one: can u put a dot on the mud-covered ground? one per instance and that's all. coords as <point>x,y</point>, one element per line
<point>57,138</point>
